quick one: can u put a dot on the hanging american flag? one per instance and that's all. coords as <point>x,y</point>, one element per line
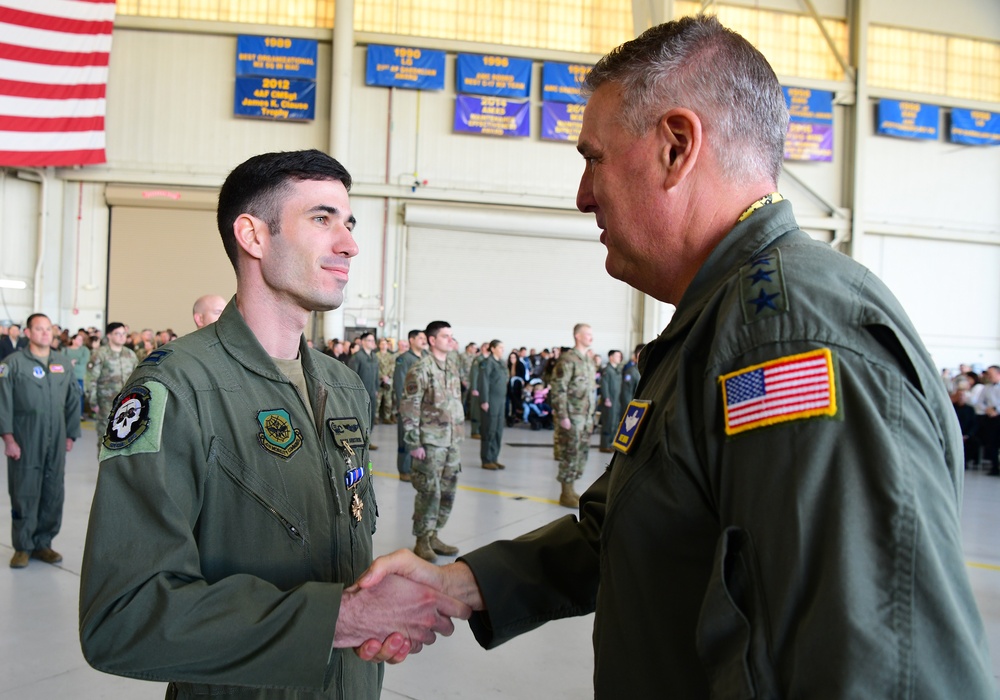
<point>53,75</point>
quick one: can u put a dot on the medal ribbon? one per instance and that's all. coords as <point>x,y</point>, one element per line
<point>354,476</point>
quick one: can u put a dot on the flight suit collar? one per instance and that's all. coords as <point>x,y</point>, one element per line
<point>240,342</point>
<point>744,241</point>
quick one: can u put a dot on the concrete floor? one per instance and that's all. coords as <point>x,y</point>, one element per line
<point>40,656</point>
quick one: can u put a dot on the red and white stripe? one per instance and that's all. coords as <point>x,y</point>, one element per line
<point>789,388</point>
<point>53,76</point>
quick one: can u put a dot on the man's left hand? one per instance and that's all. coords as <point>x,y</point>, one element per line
<point>69,444</point>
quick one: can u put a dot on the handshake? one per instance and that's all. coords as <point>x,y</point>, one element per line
<point>402,603</point>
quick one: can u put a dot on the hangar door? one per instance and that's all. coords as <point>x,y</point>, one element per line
<point>526,285</point>
<point>164,252</point>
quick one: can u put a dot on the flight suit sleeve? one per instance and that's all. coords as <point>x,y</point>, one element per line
<point>71,409</point>
<point>838,568</point>
<point>548,574</point>
<point>146,609</point>
<point>6,399</point>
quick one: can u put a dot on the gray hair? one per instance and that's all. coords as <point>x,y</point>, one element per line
<point>697,63</point>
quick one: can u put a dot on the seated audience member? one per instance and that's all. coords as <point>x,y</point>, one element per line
<point>968,421</point>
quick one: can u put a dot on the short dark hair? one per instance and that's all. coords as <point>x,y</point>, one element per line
<point>31,318</point>
<point>495,343</point>
<point>434,327</point>
<point>365,335</point>
<point>256,185</point>
<point>414,333</point>
<point>112,327</point>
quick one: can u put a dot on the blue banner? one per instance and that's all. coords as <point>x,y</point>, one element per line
<point>491,116</point>
<point>561,81</point>
<point>276,57</point>
<point>910,120</point>
<point>275,98</point>
<point>561,121</point>
<point>975,127</point>
<point>810,124</point>
<point>404,67</point>
<point>501,76</point>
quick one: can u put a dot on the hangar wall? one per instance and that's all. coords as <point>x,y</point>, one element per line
<point>927,209</point>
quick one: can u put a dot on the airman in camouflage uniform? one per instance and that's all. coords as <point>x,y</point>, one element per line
<point>386,367</point>
<point>572,398</point>
<point>433,427</point>
<point>417,343</point>
<point>109,367</point>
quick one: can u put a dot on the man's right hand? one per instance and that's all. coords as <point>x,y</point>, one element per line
<point>418,453</point>
<point>11,448</point>
<point>395,604</point>
<point>565,423</point>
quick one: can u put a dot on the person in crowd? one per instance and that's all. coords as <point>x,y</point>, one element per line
<point>610,393</point>
<point>988,409</point>
<point>537,411</point>
<point>12,341</point>
<point>516,373</point>
<point>109,368</point>
<point>630,377</point>
<point>365,363</point>
<point>220,549</point>
<point>474,403</point>
<point>39,421</point>
<point>79,357</point>
<point>416,344</point>
<point>386,366</point>
<point>781,516</point>
<point>492,393</point>
<point>433,426</point>
<point>207,309</point>
<point>572,399</point>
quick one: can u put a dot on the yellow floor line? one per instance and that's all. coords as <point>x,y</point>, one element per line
<point>504,494</point>
<point>980,565</point>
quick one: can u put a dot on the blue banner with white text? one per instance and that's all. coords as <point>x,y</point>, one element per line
<point>561,121</point>
<point>275,98</point>
<point>404,67</point>
<point>491,116</point>
<point>810,124</point>
<point>500,76</point>
<point>276,57</point>
<point>911,120</point>
<point>975,127</point>
<point>561,81</point>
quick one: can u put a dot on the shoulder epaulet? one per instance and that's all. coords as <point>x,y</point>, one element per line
<point>156,357</point>
<point>762,287</point>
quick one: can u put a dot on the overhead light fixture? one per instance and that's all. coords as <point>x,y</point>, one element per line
<point>13,284</point>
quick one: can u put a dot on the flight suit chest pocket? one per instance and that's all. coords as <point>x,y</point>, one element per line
<point>247,525</point>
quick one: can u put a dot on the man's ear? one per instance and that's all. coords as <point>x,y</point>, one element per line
<point>249,232</point>
<point>681,140</point>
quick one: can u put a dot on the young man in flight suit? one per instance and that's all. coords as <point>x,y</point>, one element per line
<point>235,501</point>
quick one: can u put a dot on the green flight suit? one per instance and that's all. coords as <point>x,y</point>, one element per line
<point>40,407</point>
<point>475,410</point>
<point>611,388</point>
<point>492,384</point>
<point>630,379</point>
<point>403,363</point>
<point>819,556</point>
<point>365,364</point>
<point>222,532</point>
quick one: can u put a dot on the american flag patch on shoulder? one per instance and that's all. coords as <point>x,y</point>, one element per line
<point>788,388</point>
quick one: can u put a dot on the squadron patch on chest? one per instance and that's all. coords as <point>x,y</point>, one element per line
<point>279,436</point>
<point>788,388</point>
<point>38,372</point>
<point>632,420</point>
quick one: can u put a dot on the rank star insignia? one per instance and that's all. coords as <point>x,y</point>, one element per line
<point>764,301</point>
<point>279,436</point>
